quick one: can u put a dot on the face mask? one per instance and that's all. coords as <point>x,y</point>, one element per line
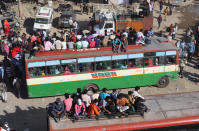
<point>79,102</point>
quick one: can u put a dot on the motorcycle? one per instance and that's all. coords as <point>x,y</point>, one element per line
<point>4,125</point>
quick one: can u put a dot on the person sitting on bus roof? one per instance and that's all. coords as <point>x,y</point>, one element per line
<point>58,44</point>
<point>103,94</point>
<point>86,98</point>
<point>98,42</point>
<point>80,109</point>
<point>94,110</point>
<point>108,107</point>
<point>140,106</point>
<point>116,43</point>
<point>68,102</point>
<point>124,44</point>
<point>140,38</point>
<point>70,45</point>
<point>114,94</point>
<point>92,43</point>
<point>136,92</point>
<point>79,93</point>
<point>131,100</point>
<point>78,44</point>
<point>84,43</point>
<point>48,45</point>
<point>122,104</point>
<point>95,95</point>
<point>58,109</point>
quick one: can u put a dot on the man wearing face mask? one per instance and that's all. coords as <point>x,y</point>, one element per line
<point>80,109</point>
<point>94,110</point>
<point>58,109</point>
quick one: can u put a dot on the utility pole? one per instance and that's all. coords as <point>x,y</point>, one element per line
<point>19,8</point>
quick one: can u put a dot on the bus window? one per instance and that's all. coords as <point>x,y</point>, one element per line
<point>158,60</point>
<point>148,62</point>
<point>103,65</point>
<point>119,64</point>
<point>86,67</point>
<point>170,60</point>
<point>138,62</point>
<point>36,71</point>
<point>53,70</point>
<point>68,68</point>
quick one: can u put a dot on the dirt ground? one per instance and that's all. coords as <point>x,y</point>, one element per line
<point>29,114</point>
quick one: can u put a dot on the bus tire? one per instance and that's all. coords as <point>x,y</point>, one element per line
<point>163,82</point>
<point>91,87</point>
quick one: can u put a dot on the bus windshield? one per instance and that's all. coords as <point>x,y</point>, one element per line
<point>41,20</point>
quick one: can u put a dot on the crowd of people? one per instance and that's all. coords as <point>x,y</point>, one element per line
<point>41,41</point>
<point>81,105</point>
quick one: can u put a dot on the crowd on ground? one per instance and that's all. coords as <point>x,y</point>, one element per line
<point>81,105</point>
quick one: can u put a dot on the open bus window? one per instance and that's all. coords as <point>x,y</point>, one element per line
<point>37,71</point>
<point>135,62</point>
<point>170,60</point>
<point>86,67</point>
<point>158,60</point>
<point>53,70</point>
<point>68,68</point>
<point>119,64</point>
<point>103,65</point>
<point>148,61</point>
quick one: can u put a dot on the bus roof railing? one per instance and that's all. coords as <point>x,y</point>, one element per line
<point>61,52</point>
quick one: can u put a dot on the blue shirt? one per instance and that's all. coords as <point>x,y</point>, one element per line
<point>103,95</point>
<point>182,45</point>
<point>150,32</point>
<point>191,47</point>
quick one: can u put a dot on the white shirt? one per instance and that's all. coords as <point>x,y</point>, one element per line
<point>70,22</point>
<point>85,44</point>
<point>135,93</point>
<point>125,33</point>
<point>75,25</point>
<point>63,45</point>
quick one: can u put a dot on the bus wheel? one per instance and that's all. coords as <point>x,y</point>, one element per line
<point>90,88</point>
<point>163,82</point>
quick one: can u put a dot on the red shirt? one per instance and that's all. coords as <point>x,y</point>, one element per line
<point>14,51</point>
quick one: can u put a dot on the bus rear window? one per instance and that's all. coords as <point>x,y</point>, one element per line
<point>41,21</point>
<point>170,60</point>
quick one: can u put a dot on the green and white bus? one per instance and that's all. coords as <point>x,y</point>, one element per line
<point>57,72</point>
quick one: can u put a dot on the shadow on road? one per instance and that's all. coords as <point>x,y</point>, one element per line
<point>33,119</point>
<point>28,24</point>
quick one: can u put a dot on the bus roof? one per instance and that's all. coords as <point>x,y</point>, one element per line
<point>44,12</point>
<point>157,44</point>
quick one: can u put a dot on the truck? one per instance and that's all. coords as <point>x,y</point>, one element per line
<point>109,20</point>
<point>43,19</point>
